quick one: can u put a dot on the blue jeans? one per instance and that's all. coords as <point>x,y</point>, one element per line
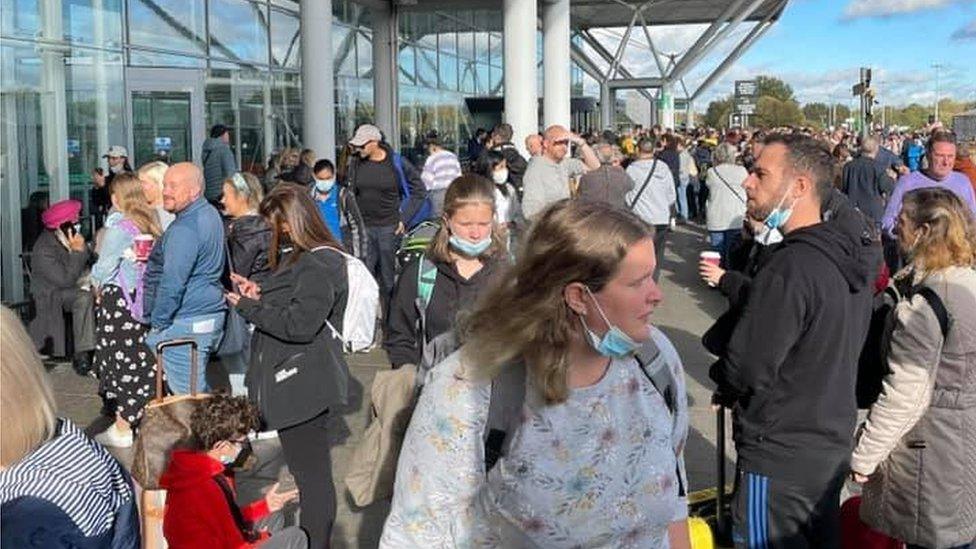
<point>683,198</point>
<point>206,330</point>
<point>381,246</point>
<point>724,242</point>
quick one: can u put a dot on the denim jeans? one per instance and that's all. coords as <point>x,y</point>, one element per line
<point>381,249</point>
<point>206,330</point>
<point>724,242</point>
<point>683,198</point>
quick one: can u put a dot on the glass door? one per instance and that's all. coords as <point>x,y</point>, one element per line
<point>166,115</point>
<point>161,127</point>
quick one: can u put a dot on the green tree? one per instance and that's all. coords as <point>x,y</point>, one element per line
<point>771,112</point>
<point>769,86</point>
<point>817,114</point>
<point>717,114</point>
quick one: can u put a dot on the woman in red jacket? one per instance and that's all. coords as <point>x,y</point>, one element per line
<point>201,511</point>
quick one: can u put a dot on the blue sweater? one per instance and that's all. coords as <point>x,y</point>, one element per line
<point>183,273</point>
<point>329,208</point>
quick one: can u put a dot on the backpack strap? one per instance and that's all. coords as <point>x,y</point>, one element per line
<point>426,277</point>
<point>647,180</point>
<point>246,529</point>
<point>507,398</point>
<point>938,307</point>
<point>661,377</point>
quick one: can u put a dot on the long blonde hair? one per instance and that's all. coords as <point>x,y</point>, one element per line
<point>131,200</point>
<point>947,231</point>
<point>465,190</point>
<point>525,316</point>
<point>27,405</point>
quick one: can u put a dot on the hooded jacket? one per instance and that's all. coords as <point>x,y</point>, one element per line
<point>197,514</point>
<point>452,294</point>
<point>218,164</point>
<point>248,239</point>
<point>794,408</point>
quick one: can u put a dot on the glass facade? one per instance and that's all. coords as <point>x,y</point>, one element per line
<point>79,76</point>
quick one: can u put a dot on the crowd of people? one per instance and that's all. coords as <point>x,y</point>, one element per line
<point>519,293</point>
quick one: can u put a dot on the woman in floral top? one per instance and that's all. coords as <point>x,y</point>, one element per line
<point>595,456</point>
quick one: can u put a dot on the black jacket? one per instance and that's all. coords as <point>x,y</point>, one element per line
<point>452,294</point>
<point>248,238</point>
<point>297,369</point>
<point>865,183</point>
<point>791,361</point>
<point>302,175</point>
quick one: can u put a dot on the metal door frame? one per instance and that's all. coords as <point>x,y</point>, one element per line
<point>140,79</point>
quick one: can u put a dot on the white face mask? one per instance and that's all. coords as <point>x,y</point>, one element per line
<point>500,176</point>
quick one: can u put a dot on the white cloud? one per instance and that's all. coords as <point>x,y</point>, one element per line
<point>881,8</point>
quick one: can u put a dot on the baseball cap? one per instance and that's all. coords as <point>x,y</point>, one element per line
<point>364,134</point>
<point>116,150</point>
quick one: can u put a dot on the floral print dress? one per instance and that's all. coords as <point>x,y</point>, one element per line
<point>602,469</point>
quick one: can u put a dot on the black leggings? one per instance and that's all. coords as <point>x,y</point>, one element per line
<point>307,453</point>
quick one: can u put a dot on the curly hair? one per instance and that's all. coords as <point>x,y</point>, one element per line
<point>223,417</point>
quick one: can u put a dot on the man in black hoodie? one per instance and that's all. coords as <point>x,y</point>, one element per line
<point>790,364</point>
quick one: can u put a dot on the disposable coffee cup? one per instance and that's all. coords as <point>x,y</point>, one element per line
<point>142,245</point>
<point>711,257</point>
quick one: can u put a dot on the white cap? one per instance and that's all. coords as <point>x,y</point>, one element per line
<point>116,150</point>
<point>364,134</point>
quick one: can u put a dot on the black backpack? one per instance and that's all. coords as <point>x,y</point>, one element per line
<point>872,365</point>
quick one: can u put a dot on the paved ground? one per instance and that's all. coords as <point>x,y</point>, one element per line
<point>688,310</point>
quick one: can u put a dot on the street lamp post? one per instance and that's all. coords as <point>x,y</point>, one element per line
<point>938,67</point>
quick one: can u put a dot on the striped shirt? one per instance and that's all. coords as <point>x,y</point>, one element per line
<point>440,169</point>
<point>74,473</point>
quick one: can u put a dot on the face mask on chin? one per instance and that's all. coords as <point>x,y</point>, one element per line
<point>615,343</point>
<point>468,248</point>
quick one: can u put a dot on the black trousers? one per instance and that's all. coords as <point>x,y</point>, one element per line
<point>660,239</point>
<point>307,453</point>
<point>768,512</point>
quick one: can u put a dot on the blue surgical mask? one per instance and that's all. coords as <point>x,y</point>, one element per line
<point>779,216</point>
<point>324,185</point>
<point>468,248</point>
<point>615,343</point>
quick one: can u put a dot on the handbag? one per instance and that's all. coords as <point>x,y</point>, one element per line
<point>236,332</point>
<point>166,422</point>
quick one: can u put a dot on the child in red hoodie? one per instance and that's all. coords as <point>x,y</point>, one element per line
<point>201,511</point>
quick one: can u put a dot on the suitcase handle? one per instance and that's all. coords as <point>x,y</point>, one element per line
<point>193,363</point>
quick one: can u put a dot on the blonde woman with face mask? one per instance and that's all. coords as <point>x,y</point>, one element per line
<point>590,455</point>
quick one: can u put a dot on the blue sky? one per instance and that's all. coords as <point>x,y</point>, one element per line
<point>818,45</point>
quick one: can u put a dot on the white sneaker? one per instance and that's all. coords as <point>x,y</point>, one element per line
<point>113,437</point>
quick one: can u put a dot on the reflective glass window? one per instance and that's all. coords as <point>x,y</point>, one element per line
<point>92,22</point>
<point>285,39</point>
<point>142,58</point>
<point>496,51</point>
<point>466,45</point>
<point>408,72</point>
<point>176,25</point>
<point>448,70</point>
<point>482,79</point>
<point>344,50</point>
<point>364,53</point>
<point>426,68</point>
<point>495,80</point>
<point>239,30</point>
<point>466,68</point>
<point>20,18</point>
<point>447,42</point>
<point>481,47</point>
<point>424,30</point>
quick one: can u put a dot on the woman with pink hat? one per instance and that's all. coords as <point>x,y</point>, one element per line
<point>59,259</point>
